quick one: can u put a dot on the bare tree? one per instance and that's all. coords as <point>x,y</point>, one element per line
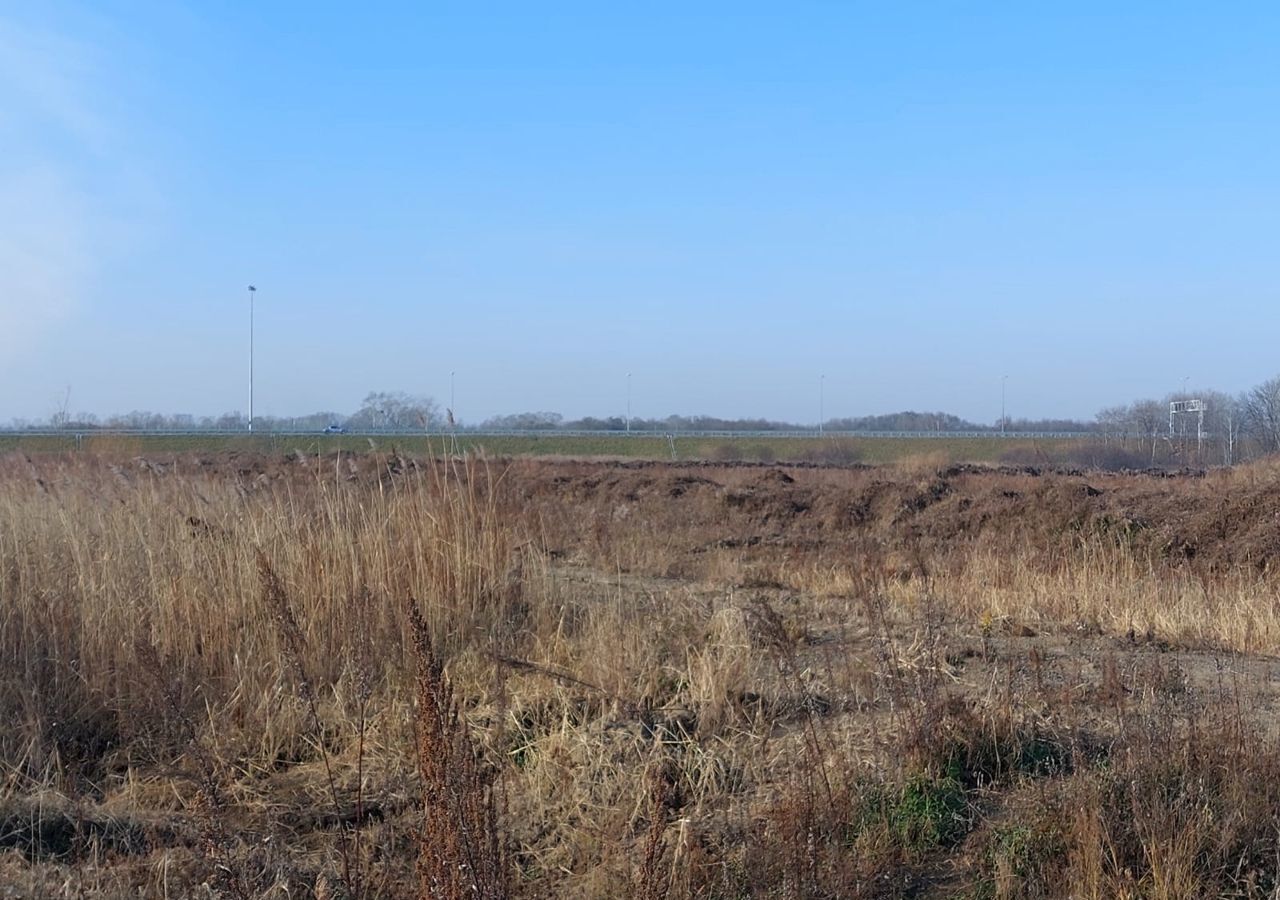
<point>1223,420</point>
<point>396,411</point>
<point>1115,423</point>
<point>1262,413</point>
<point>1150,420</point>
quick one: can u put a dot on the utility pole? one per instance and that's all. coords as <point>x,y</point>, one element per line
<point>628,403</point>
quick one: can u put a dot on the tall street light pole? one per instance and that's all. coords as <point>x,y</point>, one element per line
<point>252,290</point>
<point>1003,418</point>
<point>822,402</point>
<point>628,403</point>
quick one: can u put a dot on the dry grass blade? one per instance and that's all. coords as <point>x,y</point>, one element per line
<point>277,600</point>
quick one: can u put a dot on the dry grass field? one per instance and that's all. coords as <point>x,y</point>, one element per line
<point>377,676</point>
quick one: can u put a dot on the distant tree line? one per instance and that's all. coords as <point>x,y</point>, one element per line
<point>908,421</point>
<point>386,411</point>
<point>1234,427</point>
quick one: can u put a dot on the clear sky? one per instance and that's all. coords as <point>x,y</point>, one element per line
<point>728,200</point>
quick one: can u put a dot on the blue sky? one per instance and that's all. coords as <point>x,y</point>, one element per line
<point>726,200</point>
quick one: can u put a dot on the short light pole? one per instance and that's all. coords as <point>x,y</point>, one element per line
<point>628,403</point>
<point>822,403</point>
<point>1003,381</point>
<point>450,418</point>
<point>252,290</point>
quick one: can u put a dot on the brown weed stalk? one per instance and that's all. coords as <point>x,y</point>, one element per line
<point>460,852</point>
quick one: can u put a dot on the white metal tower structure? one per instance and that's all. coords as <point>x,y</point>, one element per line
<point>1189,407</point>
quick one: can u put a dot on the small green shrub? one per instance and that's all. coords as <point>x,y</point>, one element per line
<point>924,813</point>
